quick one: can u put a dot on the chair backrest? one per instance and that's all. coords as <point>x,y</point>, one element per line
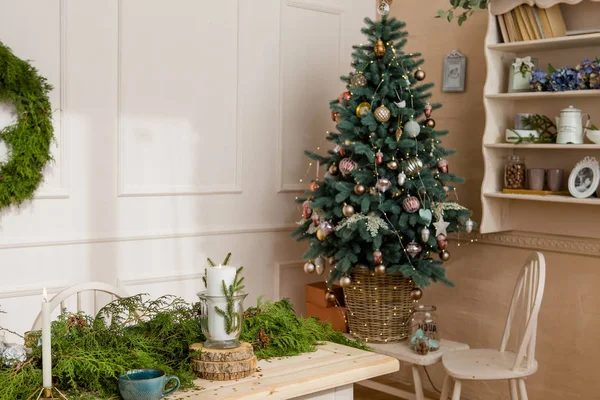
<point>529,291</point>
<point>95,287</point>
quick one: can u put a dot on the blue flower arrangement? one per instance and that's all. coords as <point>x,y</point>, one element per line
<point>586,75</point>
<point>564,79</point>
<point>539,81</point>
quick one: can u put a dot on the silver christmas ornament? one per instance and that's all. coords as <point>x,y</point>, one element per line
<point>393,165</point>
<point>425,234</point>
<point>309,268</point>
<point>383,8</point>
<point>413,166</point>
<point>412,128</point>
<point>326,227</point>
<point>469,225</point>
<point>320,265</point>
<point>345,281</point>
<point>413,248</point>
<point>401,179</point>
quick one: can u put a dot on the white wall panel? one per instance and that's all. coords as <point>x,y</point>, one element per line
<point>178,70</point>
<point>47,51</point>
<point>156,104</point>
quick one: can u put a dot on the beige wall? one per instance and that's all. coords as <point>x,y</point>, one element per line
<point>484,273</point>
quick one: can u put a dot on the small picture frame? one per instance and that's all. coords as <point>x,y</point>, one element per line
<point>455,70</point>
<point>585,178</point>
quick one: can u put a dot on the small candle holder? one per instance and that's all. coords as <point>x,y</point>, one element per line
<point>221,319</point>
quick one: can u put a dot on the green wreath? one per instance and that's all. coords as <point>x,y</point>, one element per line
<point>28,141</point>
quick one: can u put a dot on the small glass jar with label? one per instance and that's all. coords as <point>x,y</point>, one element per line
<point>424,318</point>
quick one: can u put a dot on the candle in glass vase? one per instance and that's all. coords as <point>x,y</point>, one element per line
<point>215,276</point>
<point>46,341</point>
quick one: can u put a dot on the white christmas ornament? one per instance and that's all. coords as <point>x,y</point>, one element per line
<point>400,104</point>
<point>412,128</point>
<point>425,233</point>
<point>469,225</point>
<point>401,178</point>
<point>441,226</point>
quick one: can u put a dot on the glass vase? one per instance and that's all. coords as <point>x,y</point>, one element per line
<point>221,319</point>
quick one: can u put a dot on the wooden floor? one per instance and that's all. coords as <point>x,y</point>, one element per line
<point>363,393</point>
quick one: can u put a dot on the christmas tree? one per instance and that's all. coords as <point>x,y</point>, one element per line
<point>384,201</point>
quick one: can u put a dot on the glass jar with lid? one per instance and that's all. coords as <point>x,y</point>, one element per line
<point>514,172</point>
<point>424,318</point>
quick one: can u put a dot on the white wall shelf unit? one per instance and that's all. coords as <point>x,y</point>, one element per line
<point>502,211</point>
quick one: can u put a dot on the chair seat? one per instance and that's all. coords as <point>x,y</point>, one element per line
<point>484,364</point>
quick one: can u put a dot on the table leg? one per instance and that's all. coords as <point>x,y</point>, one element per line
<point>417,382</point>
<point>446,387</point>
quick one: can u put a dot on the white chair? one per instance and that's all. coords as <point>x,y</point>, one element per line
<point>487,364</point>
<point>78,289</point>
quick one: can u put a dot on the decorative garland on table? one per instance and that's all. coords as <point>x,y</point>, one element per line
<point>29,139</point>
<point>89,353</point>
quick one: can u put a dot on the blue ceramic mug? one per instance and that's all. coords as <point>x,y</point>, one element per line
<point>145,384</point>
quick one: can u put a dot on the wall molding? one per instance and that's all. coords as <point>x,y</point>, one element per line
<point>163,279</point>
<point>111,239</point>
<point>126,190</point>
<point>278,267</point>
<point>538,241</point>
<point>32,291</point>
<point>281,186</point>
<point>62,192</point>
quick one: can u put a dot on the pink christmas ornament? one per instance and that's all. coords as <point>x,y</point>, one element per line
<point>411,204</point>
<point>428,109</point>
<point>346,166</point>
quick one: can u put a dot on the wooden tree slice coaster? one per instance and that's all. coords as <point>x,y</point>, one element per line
<point>223,364</point>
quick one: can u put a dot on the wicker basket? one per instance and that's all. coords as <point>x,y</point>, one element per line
<point>379,307</point>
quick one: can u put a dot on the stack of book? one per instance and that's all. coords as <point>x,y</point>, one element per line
<point>532,23</point>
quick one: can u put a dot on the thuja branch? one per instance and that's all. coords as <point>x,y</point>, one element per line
<point>232,318</point>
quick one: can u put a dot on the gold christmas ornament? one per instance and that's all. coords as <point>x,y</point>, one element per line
<point>393,165</point>
<point>345,281</point>
<point>348,210</point>
<point>331,260</point>
<point>382,114</point>
<point>420,74</point>
<point>358,80</point>
<point>363,109</point>
<point>330,297</point>
<point>372,191</point>
<point>398,133</point>
<point>430,123</point>
<point>444,255</point>
<point>333,169</point>
<point>380,270</point>
<point>416,294</point>
<point>413,166</point>
<point>360,189</point>
<point>379,48</point>
<point>309,268</point>
<point>321,235</point>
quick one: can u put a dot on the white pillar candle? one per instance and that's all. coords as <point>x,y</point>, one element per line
<point>215,276</point>
<point>46,341</point>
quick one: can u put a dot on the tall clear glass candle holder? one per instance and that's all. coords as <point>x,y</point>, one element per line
<point>221,319</point>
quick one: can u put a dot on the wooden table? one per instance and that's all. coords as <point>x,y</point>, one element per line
<point>402,352</point>
<point>327,374</point>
